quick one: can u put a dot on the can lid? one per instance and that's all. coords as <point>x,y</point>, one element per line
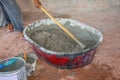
<point>11,65</point>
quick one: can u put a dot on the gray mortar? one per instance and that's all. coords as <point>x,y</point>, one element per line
<point>15,66</point>
<point>53,38</point>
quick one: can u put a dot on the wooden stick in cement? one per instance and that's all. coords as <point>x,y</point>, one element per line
<point>25,56</point>
<point>62,27</point>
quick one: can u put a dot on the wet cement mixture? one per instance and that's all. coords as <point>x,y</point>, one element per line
<point>29,60</point>
<point>14,66</point>
<point>53,38</point>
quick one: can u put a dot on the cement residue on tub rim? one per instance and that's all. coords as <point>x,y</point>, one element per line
<point>63,21</point>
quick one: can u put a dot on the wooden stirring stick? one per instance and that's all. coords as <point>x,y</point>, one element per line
<point>60,25</point>
<point>25,56</point>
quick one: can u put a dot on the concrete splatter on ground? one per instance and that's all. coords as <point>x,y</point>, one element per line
<point>106,63</point>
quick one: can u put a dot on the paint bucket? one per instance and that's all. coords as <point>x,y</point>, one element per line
<point>30,62</point>
<point>14,71</point>
<point>86,34</point>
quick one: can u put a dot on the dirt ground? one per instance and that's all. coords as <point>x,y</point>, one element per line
<point>106,63</point>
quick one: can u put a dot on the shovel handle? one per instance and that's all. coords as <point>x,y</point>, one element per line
<point>39,6</point>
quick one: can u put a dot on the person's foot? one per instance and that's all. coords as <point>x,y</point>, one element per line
<point>10,27</point>
<point>20,36</point>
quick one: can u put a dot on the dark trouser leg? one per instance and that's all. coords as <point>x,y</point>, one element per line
<point>14,13</point>
<point>3,17</point>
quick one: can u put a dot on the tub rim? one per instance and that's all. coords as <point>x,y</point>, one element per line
<point>45,21</point>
